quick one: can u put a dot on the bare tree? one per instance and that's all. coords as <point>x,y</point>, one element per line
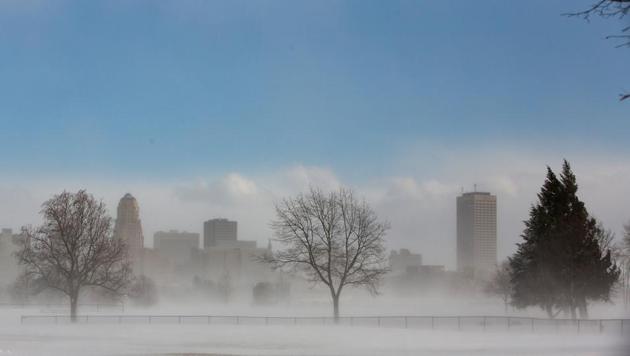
<point>224,287</point>
<point>143,291</point>
<point>610,9</point>
<point>606,238</point>
<point>73,249</point>
<point>333,239</point>
<point>501,283</point>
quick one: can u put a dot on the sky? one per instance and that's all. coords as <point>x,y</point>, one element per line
<point>220,108</point>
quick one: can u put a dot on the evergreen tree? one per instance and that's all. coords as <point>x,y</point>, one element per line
<point>561,265</point>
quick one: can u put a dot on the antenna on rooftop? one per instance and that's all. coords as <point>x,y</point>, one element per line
<point>475,187</point>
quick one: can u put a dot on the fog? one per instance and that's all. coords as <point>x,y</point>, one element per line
<point>248,336</point>
<point>410,316</point>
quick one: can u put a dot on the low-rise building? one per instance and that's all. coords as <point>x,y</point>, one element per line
<point>176,246</point>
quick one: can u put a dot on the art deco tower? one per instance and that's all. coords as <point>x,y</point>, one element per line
<point>128,226</point>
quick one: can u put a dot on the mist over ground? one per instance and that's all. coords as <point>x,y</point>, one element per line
<point>308,337</point>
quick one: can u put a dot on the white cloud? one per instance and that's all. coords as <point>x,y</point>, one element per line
<point>227,190</point>
<point>301,178</point>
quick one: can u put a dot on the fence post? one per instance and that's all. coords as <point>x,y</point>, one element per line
<point>238,320</point>
<point>601,326</point>
<point>56,320</point>
<point>405,322</point>
<point>266,320</point>
<point>294,320</point>
<point>378,321</point>
<point>621,327</point>
<point>532,324</point>
<point>208,319</point>
<point>578,326</point>
<point>432,323</point>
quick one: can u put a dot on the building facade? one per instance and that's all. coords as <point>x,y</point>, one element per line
<point>176,246</point>
<point>400,261</point>
<point>9,245</point>
<point>477,234</point>
<point>219,231</point>
<point>240,261</point>
<point>129,227</point>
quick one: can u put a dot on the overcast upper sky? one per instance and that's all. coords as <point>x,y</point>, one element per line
<point>219,108</point>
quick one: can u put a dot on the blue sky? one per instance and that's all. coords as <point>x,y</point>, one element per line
<point>218,108</point>
<point>187,88</point>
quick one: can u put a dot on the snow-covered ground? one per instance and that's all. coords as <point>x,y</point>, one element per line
<point>224,339</point>
<point>288,340</point>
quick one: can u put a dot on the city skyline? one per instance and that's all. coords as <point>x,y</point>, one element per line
<point>422,214</point>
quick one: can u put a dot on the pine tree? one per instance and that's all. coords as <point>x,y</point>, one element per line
<point>561,265</point>
<point>532,282</point>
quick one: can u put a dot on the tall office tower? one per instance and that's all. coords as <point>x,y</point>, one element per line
<point>477,234</point>
<point>216,231</point>
<point>9,244</point>
<point>128,226</point>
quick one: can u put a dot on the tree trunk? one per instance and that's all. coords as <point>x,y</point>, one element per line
<point>583,310</point>
<point>505,303</point>
<point>336,308</point>
<point>549,311</point>
<point>74,298</point>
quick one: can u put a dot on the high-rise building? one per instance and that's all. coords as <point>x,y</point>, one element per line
<point>176,246</point>
<point>128,226</point>
<point>217,231</point>
<point>9,245</point>
<point>477,233</point>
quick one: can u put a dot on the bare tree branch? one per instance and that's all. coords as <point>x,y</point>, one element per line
<point>609,9</point>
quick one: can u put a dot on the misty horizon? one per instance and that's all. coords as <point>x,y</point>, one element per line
<point>185,206</point>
